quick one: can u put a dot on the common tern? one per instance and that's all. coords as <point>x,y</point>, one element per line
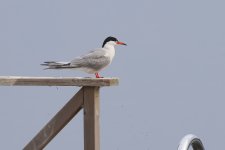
<point>92,62</point>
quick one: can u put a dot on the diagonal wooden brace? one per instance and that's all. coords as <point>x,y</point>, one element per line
<point>56,124</point>
<point>88,98</point>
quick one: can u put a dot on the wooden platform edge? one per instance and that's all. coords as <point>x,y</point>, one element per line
<point>56,81</point>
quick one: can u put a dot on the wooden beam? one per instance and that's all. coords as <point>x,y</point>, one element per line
<point>91,118</point>
<point>56,81</point>
<point>55,125</point>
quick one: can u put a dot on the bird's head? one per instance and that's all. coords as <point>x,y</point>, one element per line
<point>112,41</point>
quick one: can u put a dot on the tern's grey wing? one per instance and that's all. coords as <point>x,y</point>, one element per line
<point>95,60</point>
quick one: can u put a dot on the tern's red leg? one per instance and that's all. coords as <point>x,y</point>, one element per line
<point>97,75</point>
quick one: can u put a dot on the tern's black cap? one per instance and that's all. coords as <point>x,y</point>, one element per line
<point>110,38</point>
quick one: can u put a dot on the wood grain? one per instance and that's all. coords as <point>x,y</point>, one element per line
<point>56,81</point>
<point>91,118</point>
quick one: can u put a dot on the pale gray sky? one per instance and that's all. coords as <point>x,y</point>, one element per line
<point>172,73</point>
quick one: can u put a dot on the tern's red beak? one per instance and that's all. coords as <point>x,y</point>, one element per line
<point>120,43</point>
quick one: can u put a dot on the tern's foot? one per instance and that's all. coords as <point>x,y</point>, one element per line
<point>98,76</point>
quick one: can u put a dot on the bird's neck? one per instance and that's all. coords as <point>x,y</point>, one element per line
<point>109,46</point>
<point>110,50</point>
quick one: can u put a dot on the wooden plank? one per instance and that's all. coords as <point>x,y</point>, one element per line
<point>91,118</point>
<point>56,81</point>
<point>55,125</point>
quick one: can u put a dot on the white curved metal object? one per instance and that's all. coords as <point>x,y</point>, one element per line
<point>190,140</point>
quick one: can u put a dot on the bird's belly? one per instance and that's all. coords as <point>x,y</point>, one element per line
<point>89,70</point>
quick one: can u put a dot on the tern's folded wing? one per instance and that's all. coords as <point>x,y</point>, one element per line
<point>95,59</point>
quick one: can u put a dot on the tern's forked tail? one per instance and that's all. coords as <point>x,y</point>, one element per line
<point>56,65</point>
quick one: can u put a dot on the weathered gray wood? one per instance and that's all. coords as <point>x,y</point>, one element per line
<point>55,125</point>
<point>91,118</point>
<point>56,81</point>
